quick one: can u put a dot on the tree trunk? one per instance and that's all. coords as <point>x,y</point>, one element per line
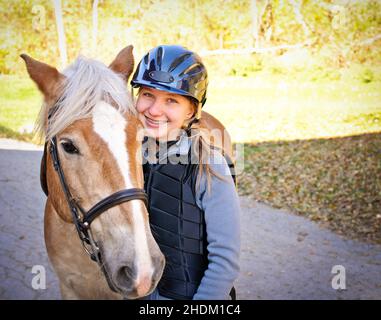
<point>296,4</point>
<point>95,25</point>
<point>256,20</point>
<point>61,32</point>
<point>254,23</point>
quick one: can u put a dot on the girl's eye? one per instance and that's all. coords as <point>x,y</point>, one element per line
<point>170,100</point>
<point>69,147</point>
<point>147,94</point>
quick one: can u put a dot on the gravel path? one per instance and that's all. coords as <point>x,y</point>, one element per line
<point>283,256</point>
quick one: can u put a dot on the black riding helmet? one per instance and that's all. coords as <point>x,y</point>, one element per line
<point>174,69</point>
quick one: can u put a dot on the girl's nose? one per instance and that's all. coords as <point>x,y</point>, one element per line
<point>156,109</point>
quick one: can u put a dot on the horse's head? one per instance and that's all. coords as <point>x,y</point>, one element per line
<point>90,112</point>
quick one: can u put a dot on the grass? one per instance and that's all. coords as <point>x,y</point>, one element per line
<point>272,108</point>
<point>256,109</point>
<point>20,102</point>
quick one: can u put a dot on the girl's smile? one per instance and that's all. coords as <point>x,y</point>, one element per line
<point>151,123</point>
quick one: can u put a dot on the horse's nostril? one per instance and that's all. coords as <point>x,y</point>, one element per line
<point>124,277</point>
<point>128,272</point>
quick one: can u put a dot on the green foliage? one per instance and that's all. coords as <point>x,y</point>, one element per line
<point>335,32</point>
<point>23,31</point>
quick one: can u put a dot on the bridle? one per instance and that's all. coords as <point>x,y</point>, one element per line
<point>83,223</point>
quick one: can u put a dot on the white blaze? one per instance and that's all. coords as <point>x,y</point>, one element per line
<point>110,125</point>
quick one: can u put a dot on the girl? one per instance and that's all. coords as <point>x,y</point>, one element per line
<point>193,204</point>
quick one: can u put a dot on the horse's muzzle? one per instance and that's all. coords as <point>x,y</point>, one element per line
<point>133,284</point>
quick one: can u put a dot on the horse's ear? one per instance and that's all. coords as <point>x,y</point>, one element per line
<point>47,78</point>
<point>124,62</point>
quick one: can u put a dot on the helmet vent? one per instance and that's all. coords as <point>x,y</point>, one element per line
<point>159,57</point>
<point>146,59</point>
<point>192,70</point>
<point>178,61</point>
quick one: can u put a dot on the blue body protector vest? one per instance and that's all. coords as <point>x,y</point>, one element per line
<point>178,226</point>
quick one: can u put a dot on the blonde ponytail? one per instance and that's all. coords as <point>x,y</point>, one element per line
<point>203,148</point>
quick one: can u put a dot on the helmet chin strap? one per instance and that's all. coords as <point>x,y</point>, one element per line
<point>195,119</point>
<point>189,127</point>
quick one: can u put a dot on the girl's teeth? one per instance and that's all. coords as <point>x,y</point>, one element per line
<point>155,121</point>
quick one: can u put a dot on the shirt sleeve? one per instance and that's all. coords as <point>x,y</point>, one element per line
<point>222,217</point>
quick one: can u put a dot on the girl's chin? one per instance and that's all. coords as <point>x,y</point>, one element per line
<point>161,134</point>
<point>156,133</point>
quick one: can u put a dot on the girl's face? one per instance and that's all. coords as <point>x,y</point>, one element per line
<point>163,113</point>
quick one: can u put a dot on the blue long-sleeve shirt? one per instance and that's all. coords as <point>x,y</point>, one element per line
<point>222,214</point>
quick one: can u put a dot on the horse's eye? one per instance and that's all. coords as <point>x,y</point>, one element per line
<point>69,147</point>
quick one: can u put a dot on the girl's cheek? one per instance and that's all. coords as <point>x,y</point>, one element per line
<point>140,107</point>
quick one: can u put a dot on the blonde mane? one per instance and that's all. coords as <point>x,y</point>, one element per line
<point>87,82</point>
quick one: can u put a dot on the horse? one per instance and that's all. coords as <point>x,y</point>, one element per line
<point>217,135</point>
<point>96,225</point>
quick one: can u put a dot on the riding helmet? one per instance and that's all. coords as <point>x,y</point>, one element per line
<point>174,69</point>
